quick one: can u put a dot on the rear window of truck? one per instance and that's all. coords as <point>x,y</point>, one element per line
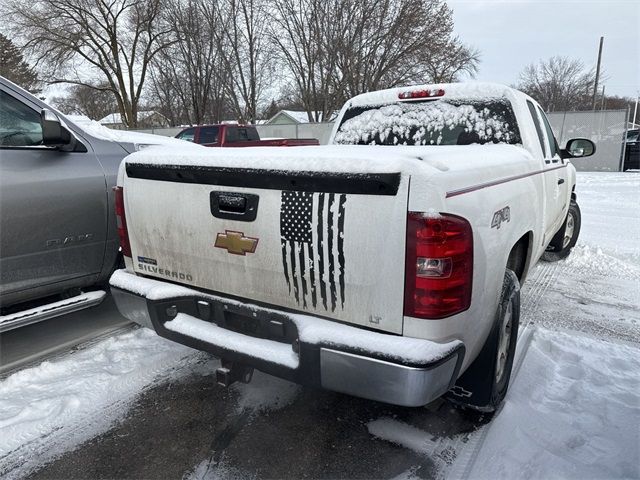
<point>241,134</point>
<point>430,122</point>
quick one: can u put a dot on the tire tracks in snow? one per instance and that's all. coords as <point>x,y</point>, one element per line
<point>540,281</point>
<point>543,277</point>
<point>465,459</point>
<point>454,457</point>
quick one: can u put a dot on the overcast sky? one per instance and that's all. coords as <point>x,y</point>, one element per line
<point>514,33</point>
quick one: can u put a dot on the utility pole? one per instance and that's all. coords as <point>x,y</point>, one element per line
<point>595,87</point>
<point>602,99</point>
<point>635,110</point>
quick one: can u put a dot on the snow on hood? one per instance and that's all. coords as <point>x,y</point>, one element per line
<point>139,139</point>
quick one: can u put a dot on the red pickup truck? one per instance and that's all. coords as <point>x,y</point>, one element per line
<point>224,135</point>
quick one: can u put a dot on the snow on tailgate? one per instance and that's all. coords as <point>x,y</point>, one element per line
<point>310,158</point>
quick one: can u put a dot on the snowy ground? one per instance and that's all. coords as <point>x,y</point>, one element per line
<point>57,405</point>
<point>573,409</point>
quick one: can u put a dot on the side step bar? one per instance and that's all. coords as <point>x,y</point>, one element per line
<point>51,310</point>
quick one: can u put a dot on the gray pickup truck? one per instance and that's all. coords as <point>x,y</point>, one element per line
<point>58,236</point>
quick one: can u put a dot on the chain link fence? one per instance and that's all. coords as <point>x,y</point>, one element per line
<point>606,128</point>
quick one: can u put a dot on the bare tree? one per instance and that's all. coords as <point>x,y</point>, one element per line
<point>336,49</point>
<point>305,32</point>
<point>243,40</point>
<point>388,43</point>
<point>94,102</point>
<point>78,39</point>
<point>452,62</point>
<point>558,83</point>
<point>166,93</point>
<point>188,76</point>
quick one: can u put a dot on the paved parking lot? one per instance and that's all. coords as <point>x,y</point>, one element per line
<point>192,426</point>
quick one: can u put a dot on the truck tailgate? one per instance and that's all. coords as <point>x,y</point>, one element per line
<point>325,243</point>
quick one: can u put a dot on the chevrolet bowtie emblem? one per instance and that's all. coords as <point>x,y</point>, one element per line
<point>236,242</point>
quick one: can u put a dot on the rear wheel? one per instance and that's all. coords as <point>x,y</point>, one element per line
<point>484,385</point>
<point>566,238</point>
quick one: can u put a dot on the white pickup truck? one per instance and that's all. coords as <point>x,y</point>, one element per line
<point>386,265</point>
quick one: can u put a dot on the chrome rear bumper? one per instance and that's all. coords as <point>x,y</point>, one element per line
<point>336,363</point>
<point>385,381</point>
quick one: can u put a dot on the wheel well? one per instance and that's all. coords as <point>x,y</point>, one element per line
<point>519,256</point>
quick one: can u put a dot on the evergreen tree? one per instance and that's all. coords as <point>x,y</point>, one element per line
<point>13,66</point>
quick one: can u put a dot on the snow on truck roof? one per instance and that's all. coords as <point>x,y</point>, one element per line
<point>467,91</point>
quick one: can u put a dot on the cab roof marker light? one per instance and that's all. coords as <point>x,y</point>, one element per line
<point>424,93</point>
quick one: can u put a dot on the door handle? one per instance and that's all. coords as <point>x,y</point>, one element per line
<point>234,206</point>
<point>561,181</point>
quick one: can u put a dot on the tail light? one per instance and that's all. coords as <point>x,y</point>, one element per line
<point>121,222</point>
<point>439,266</point>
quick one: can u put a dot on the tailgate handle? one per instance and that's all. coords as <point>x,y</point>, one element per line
<point>234,206</point>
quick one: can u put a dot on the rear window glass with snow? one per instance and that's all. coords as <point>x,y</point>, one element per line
<point>439,122</point>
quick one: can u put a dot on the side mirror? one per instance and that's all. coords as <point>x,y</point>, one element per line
<point>53,133</point>
<point>578,148</point>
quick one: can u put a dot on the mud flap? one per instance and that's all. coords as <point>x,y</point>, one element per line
<point>477,387</point>
<point>471,388</point>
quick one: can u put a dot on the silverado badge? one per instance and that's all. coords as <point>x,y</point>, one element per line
<point>236,242</point>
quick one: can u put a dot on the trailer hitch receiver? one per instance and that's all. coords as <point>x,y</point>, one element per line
<point>230,372</point>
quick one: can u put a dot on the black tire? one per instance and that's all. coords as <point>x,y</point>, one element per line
<point>484,384</point>
<point>566,238</point>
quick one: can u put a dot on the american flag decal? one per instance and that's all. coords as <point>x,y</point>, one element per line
<point>312,240</point>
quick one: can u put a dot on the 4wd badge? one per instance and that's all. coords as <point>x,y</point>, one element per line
<point>503,215</point>
<point>236,242</point>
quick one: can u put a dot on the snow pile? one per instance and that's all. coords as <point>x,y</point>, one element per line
<point>594,259</point>
<point>573,411</point>
<point>425,124</point>
<point>405,435</point>
<point>97,130</point>
<point>609,203</point>
<point>63,403</point>
<point>439,449</point>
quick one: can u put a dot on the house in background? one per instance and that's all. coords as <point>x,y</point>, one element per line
<point>293,117</point>
<point>146,119</point>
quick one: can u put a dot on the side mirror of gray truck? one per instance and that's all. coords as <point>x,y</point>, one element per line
<point>53,133</point>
